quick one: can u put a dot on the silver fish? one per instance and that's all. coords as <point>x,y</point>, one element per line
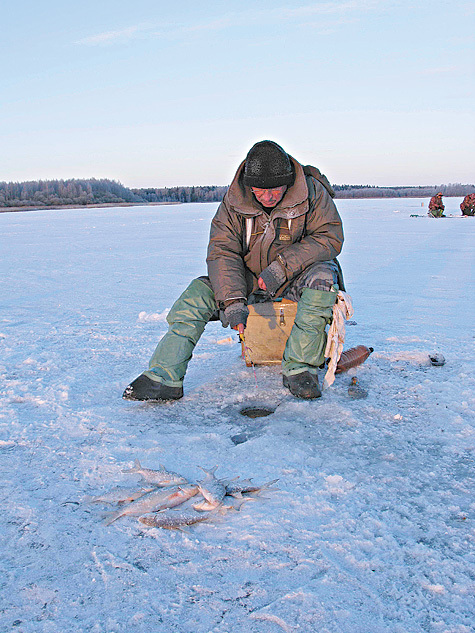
<point>162,477</point>
<point>120,495</point>
<point>205,506</point>
<point>212,489</point>
<point>176,520</point>
<point>158,499</point>
<point>236,489</point>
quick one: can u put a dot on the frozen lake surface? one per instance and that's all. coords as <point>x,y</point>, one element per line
<point>372,530</point>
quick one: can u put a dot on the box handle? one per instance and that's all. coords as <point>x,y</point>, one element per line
<point>282,318</point>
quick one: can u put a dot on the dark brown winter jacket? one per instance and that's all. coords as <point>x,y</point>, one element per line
<point>302,229</point>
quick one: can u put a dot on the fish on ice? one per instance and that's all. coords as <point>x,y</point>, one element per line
<point>158,499</point>
<point>237,488</point>
<point>119,494</point>
<point>162,477</point>
<point>205,506</point>
<point>212,489</point>
<point>173,520</point>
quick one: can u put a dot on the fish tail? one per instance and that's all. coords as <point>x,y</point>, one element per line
<point>225,481</point>
<point>110,517</point>
<point>267,487</point>
<point>209,472</point>
<point>240,503</point>
<point>136,467</point>
<point>268,484</point>
<point>102,501</point>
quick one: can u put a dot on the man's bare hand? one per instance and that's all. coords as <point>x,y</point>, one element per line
<point>261,284</point>
<point>239,328</point>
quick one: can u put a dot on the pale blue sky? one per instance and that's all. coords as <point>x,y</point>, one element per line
<point>156,93</point>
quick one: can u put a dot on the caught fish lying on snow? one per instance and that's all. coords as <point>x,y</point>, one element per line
<point>164,490</point>
<point>237,488</point>
<point>162,477</point>
<point>158,499</point>
<point>120,494</point>
<point>175,520</point>
<point>212,489</point>
<point>206,506</point>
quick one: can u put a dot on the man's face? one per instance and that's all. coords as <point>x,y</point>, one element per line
<point>269,197</point>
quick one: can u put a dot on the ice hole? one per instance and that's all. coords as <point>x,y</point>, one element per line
<point>256,412</point>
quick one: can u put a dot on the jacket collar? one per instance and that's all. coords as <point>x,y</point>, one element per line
<point>242,201</point>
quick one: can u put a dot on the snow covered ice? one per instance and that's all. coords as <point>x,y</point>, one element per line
<point>372,530</point>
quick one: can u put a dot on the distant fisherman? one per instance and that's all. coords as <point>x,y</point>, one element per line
<point>277,233</point>
<point>467,206</point>
<point>436,206</point>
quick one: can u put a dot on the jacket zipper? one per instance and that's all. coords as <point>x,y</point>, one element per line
<point>263,257</point>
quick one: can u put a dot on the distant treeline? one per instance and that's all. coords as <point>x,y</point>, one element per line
<point>370,191</point>
<point>211,193</point>
<point>50,193</point>
<point>53,193</point>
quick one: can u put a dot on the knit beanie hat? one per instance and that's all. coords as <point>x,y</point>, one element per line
<point>267,166</point>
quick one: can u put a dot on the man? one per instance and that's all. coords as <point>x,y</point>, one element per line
<point>276,233</point>
<point>467,206</point>
<point>436,206</point>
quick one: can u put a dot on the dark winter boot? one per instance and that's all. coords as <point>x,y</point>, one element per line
<point>144,388</point>
<point>303,385</point>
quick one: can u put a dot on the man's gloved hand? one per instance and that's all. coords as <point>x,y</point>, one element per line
<point>273,277</point>
<point>235,314</point>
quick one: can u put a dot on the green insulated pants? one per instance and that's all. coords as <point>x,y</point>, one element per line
<point>305,349</point>
<point>187,320</point>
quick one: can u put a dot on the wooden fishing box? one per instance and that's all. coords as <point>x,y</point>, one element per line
<point>268,328</point>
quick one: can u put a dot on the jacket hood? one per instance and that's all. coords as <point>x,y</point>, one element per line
<point>241,199</point>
